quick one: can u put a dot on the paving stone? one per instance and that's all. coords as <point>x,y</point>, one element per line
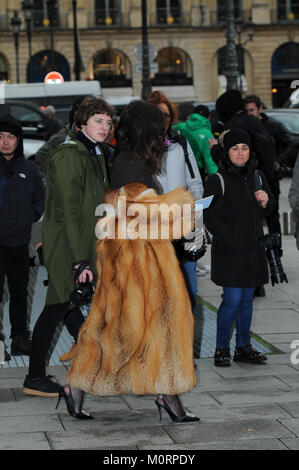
<point>238,412</point>
<point>91,439</point>
<point>6,395</point>
<point>256,396</point>
<point>245,444</point>
<point>292,425</point>
<point>227,431</point>
<point>292,408</point>
<point>24,441</point>
<point>291,443</point>
<point>25,424</point>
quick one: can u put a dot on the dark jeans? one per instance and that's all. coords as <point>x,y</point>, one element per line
<point>236,306</point>
<point>44,330</point>
<point>14,264</point>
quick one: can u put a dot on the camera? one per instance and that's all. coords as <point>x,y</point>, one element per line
<point>271,242</point>
<point>82,295</point>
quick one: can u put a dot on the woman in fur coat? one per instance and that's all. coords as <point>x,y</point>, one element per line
<point>138,337</point>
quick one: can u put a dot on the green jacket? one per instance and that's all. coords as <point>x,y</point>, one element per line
<point>197,130</point>
<point>74,188</point>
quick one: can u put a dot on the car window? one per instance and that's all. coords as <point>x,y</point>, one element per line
<point>27,116</point>
<point>290,120</point>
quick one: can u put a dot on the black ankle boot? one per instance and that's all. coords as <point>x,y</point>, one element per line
<point>222,357</point>
<point>248,354</point>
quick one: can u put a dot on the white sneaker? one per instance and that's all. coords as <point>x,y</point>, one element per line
<point>201,272</point>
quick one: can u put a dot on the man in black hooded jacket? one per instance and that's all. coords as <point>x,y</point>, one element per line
<point>22,199</point>
<point>231,112</point>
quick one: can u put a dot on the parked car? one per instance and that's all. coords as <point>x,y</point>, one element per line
<point>290,119</point>
<point>33,121</point>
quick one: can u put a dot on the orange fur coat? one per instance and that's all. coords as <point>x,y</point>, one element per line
<point>138,336</point>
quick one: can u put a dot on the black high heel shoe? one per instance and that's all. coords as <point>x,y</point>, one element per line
<point>69,400</point>
<point>185,418</point>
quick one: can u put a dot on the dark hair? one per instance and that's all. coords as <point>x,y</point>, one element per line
<point>253,99</point>
<point>90,106</point>
<point>139,132</point>
<point>157,97</point>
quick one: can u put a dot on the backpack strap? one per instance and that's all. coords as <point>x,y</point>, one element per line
<point>221,182</point>
<point>183,143</point>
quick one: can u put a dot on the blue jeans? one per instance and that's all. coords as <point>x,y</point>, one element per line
<point>189,272</point>
<point>236,306</point>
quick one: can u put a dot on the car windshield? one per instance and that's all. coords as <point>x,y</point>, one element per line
<point>290,120</point>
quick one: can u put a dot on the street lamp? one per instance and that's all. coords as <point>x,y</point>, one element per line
<point>78,65</point>
<point>231,52</point>
<point>146,81</point>
<point>28,7</point>
<point>16,25</point>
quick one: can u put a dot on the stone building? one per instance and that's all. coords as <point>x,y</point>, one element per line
<point>187,40</point>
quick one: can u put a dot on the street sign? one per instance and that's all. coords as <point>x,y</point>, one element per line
<point>53,77</point>
<point>152,51</point>
<point>154,68</point>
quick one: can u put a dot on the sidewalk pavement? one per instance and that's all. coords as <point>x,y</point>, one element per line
<point>244,407</point>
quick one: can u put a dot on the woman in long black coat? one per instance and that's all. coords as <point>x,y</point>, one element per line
<point>238,262</point>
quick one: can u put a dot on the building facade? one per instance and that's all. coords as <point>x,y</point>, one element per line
<point>187,45</point>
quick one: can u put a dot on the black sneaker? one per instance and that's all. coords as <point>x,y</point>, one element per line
<point>42,387</point>
<point>222,357</point>
<point>248,354</point>
<point>20,345</point>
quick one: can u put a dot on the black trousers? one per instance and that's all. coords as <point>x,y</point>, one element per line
<point>44,330</point>
<point>14,264</point>
<point>272,220</point>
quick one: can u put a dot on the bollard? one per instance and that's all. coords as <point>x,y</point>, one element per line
<point>288,223</point>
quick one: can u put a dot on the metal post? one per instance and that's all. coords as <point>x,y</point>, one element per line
<point>28,7</point>
<point>51,6</point>
<point>16,25</point>
<point>146,81</point>
<point>78,65</point>
<point>231,52</point>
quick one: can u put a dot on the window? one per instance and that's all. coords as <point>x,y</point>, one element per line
<point>27,117</point>
<point>107,12</point>
<point>112,68</point>
<point>42,15</point>
<point>45,61</point>
<point>287,10</point>
<point>168,12</point>
<point>221,10</point>
<point>175,68</point>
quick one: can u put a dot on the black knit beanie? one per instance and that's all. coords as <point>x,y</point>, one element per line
<point>11,125</point>
<point>228,104</point>
<point>236,136</point>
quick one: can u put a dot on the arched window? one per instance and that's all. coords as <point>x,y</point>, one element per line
<point>175,68</point>
<point>41,14</point>
<point>285,69</point>
<point>45,61</point>
<point>112,68</point>
<point>168,12</point>
<point>107,13</point>
<point>3,69</point>
<point>222,60</point>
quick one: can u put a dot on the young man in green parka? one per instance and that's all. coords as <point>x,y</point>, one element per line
<point>76,183</point>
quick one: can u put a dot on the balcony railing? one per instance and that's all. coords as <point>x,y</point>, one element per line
<point>104,18</point>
